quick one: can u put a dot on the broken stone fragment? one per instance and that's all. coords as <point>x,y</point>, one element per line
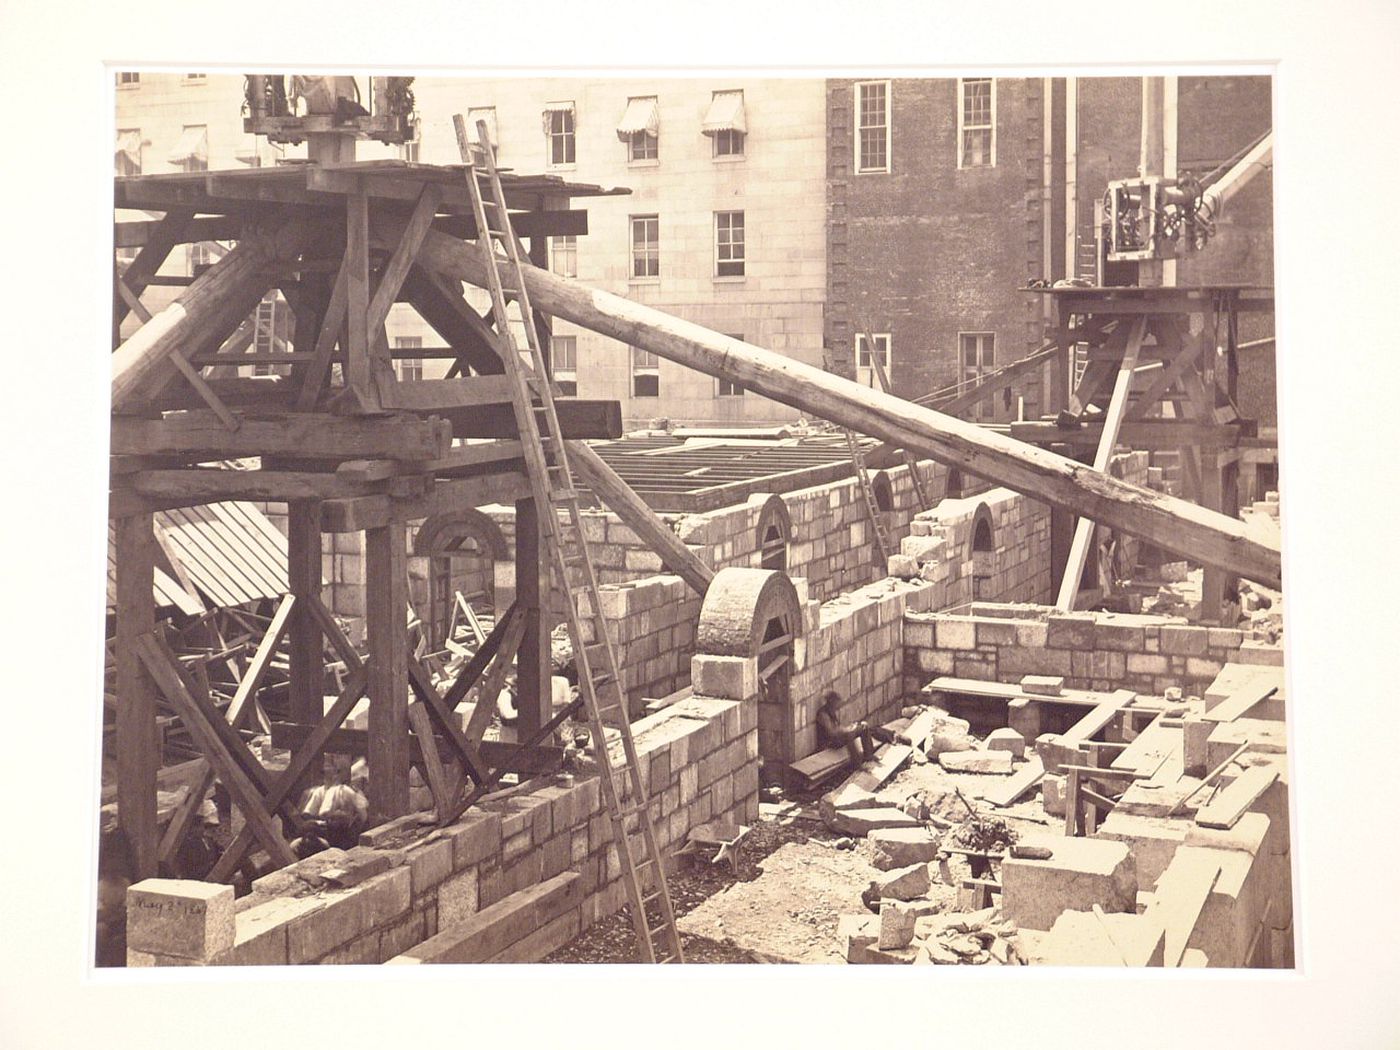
<point>862,822</point>
<point>976,761</point>
<point>901,847</point>
<point>896,926</point>
<point>904,884</point>
<point>949,735</point>
<point>1007,740</point>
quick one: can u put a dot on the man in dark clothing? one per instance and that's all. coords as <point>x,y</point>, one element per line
<point>855,736</point>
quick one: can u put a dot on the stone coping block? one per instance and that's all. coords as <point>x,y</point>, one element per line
<point>1080,873</point>
<point>182,917</point>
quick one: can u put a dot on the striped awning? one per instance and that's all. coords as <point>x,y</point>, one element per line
<point>641,115</point>
<point>550,108</point>
<point>193,145</point>
<point>129,142</point>
<point>726,113</point>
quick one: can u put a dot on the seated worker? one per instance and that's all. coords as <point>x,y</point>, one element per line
<point>336,811</point>
<point>855,736</point>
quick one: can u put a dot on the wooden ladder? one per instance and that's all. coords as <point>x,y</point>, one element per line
<point>910,460</point>
<point>552,485</point>
<point>877,527</point>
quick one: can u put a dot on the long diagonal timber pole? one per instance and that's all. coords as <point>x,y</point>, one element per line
<point>1172,524</point>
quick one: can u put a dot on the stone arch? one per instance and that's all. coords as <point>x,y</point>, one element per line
<point>883,491</point>
<point>755,614</point>
<point>462,548</point>
<point>954,488</point>
<point>982,550</point>
<point>774,534</point>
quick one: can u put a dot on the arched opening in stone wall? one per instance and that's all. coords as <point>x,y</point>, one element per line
<point>883,491</point>
<point>460,550</point>
<point>954,487</point>
<point>774,535</point>
<point>982,550</point>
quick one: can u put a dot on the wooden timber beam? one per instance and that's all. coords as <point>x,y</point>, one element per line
<point>1149,434</point>
<point>217,300</point>
<point>998,381</point>
<point>640,518</point>
<point>205,228</point>
<point>162,237</point>
<point>578,419</point>
<point>448,314</point>
<point>496,755</point>
<point>399,436</point>
<point>196,486</point>
<point>1173,524</point>
<point>368,512</point>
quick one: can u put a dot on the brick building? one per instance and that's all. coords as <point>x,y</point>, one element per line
<point>945,196</point>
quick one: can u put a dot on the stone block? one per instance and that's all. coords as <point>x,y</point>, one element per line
<point>1152,840</point>
<point>458,899</point>
<point>1179,640</point>
<point>260,932</point>
<point>1024,717</point>
<point>861,822</point>
<point>901,847</point>
<point>1032,634</point>
<point>1007,740</point>
<point>896,926</point>
<point>976,761</point>
<point>1052,795</point>
<point>904,884</point>
<point>428,864</point>
<point>1074,631</point>
<point>347,915</point>
<point>1080,873</point>
<point>474,838</point>
<point>182,917</point>
<point>958,633</point>
<point>1055,753</point>
<point>725,677</point>
<point>1043,684</point>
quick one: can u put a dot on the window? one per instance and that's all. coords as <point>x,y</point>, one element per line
<point>726,123</point>
<point>977,143</point>
<point>486,114</point>
<point>196,77</point>
<point>408,368</point>
<point>646,373</point>
<point>128,152</point>
<point>865,368</point>
<point>563,356</point>
<point>640,129</point>
<point>408,149</point>
<point>559,132</point>
<point>563,255</point>
<point>873,126</point>
<point>128,79</point>
<point>727,387</point>
<point>646,251</point>
<point>976,357</point>
<point>729,244</point>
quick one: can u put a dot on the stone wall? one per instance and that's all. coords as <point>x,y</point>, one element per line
<point>652,625</point>
<point>699,760</point>
<point>1100,651</point>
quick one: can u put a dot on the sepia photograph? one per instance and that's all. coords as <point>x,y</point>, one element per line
<point>725,520</point>
<point>507,501</point>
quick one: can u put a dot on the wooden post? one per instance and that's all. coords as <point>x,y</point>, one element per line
<point>358,376</point>
<point>386,628</point>
<point>534,698</point>
<point>306,667</point>
<point>1152,158</point>
<point>539,256</point>
<point>137,739</point>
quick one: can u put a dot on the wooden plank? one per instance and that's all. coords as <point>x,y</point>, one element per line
<point>495,928</point>
<point>359,376</point>
<point>304,752</point>
<point>1237,705</point>
<point>1085,527</point>
<point>494,678</point>
<point>1009,791</point>
<point>458,459</point>
<point>1208,779</point>
<point>159,231</point>
<point>163,237</point>
<point>435,395</point>
<point>445,719</point>
<point>199,485</point>
<point>1181,897</point>
<point>332,330</point>
<point>137,741</point>
<point>368,512</point>
<point>200,433</point>
<point>306,665</point>
<point>245,794</point>
<point>392,278</point>
<point>495,755</point>
<point>579,420</point>
<point>386,634</point>
<point>442,306</point>
<point>1149,749</point>
<point>1099,717</point>
<point>1167,522</point>
<point>640,518</point>
<point>1147,435</point>
<point>431,762</point>
<point>262,659</point>
<point>185,814</point>
<point>1226,808</point>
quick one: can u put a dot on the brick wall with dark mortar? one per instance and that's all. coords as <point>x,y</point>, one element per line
<point>925,250</point>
